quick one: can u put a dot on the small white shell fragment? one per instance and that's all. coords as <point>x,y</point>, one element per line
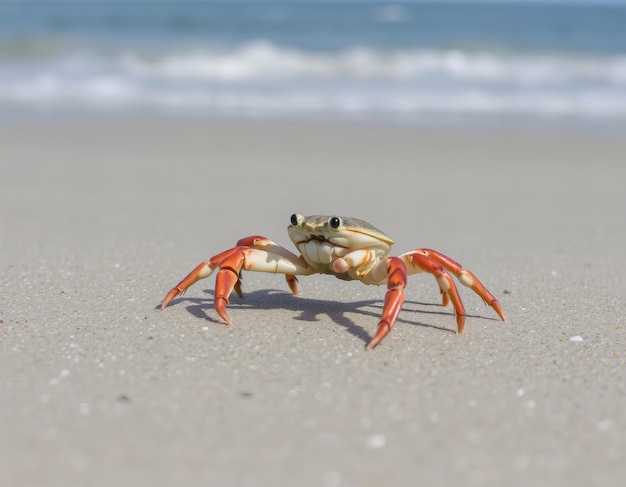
<point>376,441</point>
<point>576,338</point>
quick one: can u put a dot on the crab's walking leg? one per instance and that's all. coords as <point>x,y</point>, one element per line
<point>423,263</point>
<point>394,297</point>
<point>202,270</point>
<point>260,242</point>
<point>465,277</point>
<point>292,282</point>
<point>231,262</point>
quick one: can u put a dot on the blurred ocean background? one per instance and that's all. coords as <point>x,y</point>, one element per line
<point>424,62</point>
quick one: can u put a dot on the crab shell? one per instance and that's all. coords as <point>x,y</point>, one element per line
<point>326,241</point>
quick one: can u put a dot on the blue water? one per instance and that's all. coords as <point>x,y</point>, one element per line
<point>374,60</point>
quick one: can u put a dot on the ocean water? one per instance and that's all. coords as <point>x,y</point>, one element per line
<point>321,60</point>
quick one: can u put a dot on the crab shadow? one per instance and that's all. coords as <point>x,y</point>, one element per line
<point>309,309</point>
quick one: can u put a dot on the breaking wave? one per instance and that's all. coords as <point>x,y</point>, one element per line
<point>261,78</point>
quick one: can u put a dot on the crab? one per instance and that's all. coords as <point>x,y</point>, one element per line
<point>347,248</point>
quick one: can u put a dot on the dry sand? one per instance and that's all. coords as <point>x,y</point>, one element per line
<point>98,220</point>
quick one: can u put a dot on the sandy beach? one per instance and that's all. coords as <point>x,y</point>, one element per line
<point>99,219</point>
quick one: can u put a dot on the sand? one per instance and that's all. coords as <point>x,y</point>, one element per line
<point>99,219</point>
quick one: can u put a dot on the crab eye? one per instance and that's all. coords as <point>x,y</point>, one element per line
<point>294,219</point>
<point>335,221</point>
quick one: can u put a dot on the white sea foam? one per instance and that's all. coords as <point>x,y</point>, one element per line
<point>262,61</point>
<point>263,78</point>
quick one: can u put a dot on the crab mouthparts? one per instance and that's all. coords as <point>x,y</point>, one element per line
<point>319,238</point>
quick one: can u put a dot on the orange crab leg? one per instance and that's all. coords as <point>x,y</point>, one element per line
<point>394,297</point>
<point>202,270</point>
<point>260,254</point>
<point>466,278</point>
<point>446,284</point>
<point>260,242</point>
<point>227,279</point>
<point>292,282</point>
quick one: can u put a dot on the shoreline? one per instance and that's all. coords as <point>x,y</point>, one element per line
<point>458,123</point>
